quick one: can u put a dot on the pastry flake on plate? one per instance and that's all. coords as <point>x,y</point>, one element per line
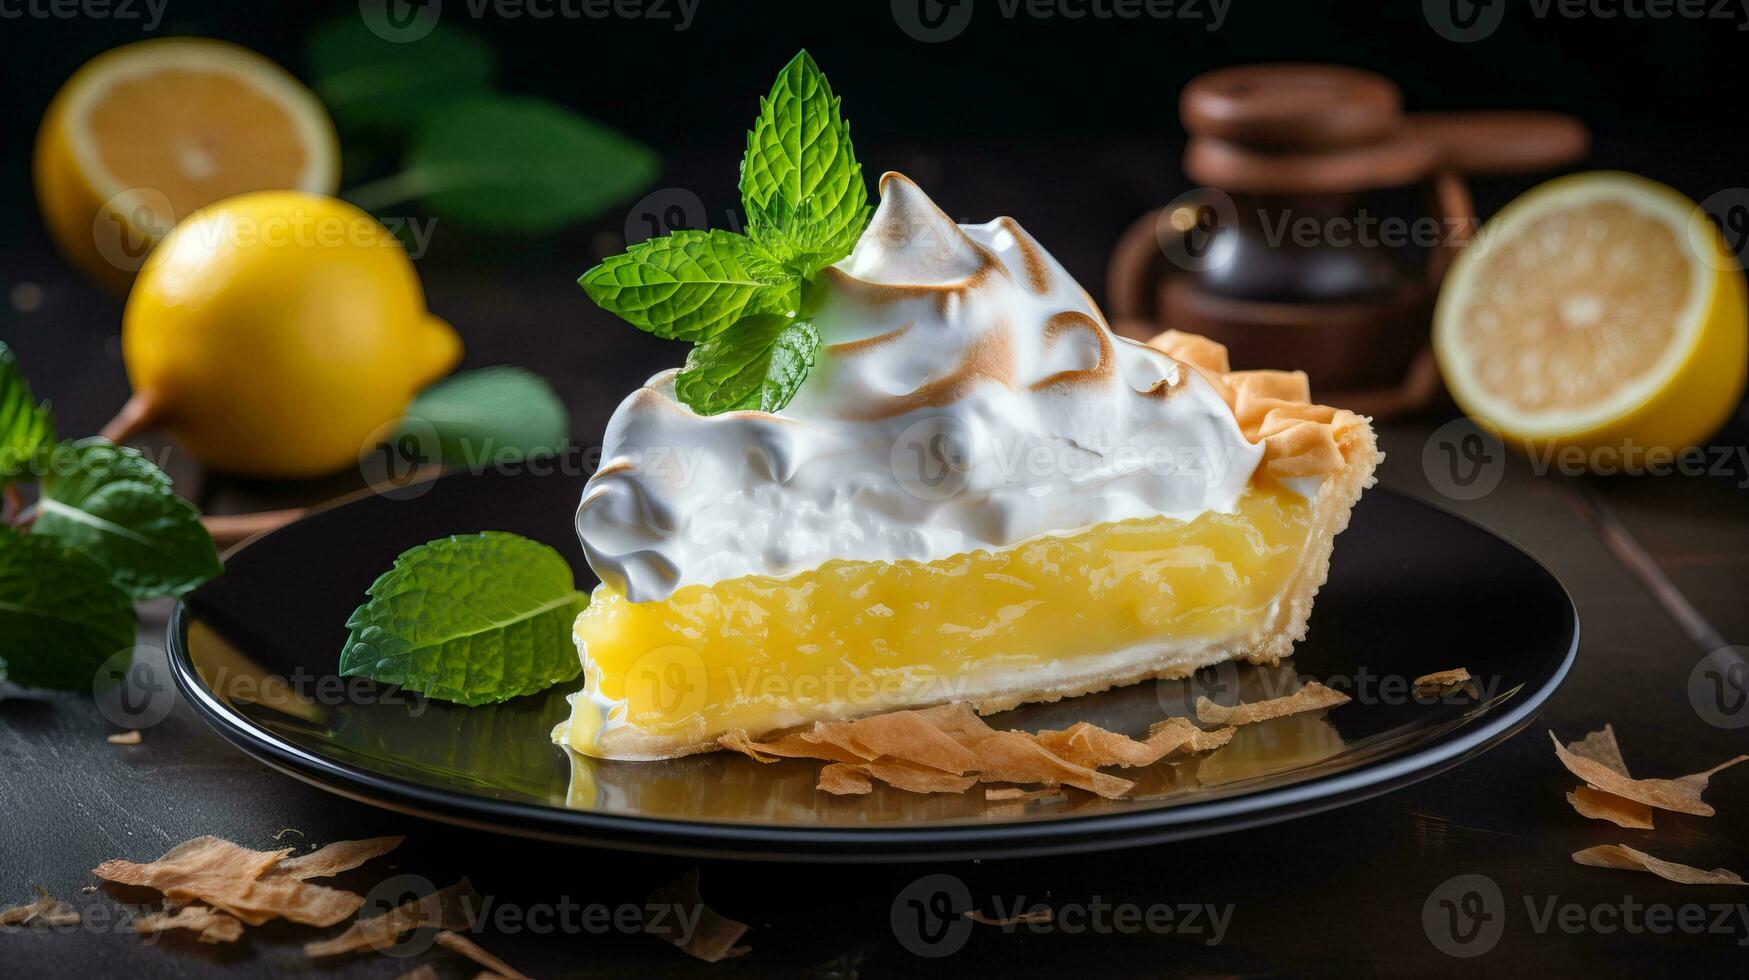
<point>980,494</point>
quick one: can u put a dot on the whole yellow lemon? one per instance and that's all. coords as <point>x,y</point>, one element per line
<point>273,333</point>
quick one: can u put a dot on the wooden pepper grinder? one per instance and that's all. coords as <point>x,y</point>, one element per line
<point>1278,256</point>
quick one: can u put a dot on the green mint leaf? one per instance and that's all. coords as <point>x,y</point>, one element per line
<point>804,241</point>
<point>799,178</point>
<point>79,468</point>
<point>692,285</point>
<point>472,618</point>
<point>524,165</point>
<point>110,503</point>
<point>380,88</point>
<point>60,616</point>
<point>493,415</point>
<point>757,366</point>
<point>26,428</point>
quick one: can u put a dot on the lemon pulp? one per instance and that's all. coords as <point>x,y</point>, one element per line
<point>1597,310</point>
<point>197,136</point>
<point>858,637</point>
<point>145,134</point>
<point>1580,301</point>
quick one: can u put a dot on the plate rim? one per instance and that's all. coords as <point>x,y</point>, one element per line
<point>758,841</point>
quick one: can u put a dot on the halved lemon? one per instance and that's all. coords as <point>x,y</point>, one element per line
<point>1600,309</point>
<point>150,132</point>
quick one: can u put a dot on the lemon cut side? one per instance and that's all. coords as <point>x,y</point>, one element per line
<point>146,134</point>
<point>1600,309</point>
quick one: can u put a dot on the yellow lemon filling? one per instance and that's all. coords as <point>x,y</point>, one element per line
<point>856,637</point>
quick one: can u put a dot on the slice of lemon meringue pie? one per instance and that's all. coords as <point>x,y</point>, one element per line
<point>979,494</point>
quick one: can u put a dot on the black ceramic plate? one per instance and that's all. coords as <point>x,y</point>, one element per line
<point>1412,590</point>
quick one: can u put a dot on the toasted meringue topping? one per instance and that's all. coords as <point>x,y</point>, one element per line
<point>968,396</point>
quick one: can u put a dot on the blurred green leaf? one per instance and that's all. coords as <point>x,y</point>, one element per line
<point>111,503</point>
<point>493,414</point>
<point>518,164</point>
<point>60,615</point>
<point>380,88</point>
<point>26,429</point>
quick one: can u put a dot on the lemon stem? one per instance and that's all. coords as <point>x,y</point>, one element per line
<point>378,194</point>
<point>230,529</point>
<point>142,412</point>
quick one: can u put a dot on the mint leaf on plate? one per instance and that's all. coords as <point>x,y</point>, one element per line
<point>495,414</point>
<point>112,504</point>
<point>758,365</point>
<point>799,177</point>
<point>472,618</point>
<point>60,616</point>
<point>692,285</point>
<point>520,164</point>
<point>26,428</point>
<point>377,87</point>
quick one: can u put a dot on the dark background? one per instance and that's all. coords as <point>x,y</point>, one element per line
<point>1071,127</point>
<point>1022,77</point>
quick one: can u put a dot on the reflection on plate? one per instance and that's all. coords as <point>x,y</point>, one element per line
<point>734,787</point>
<point>256,652</point>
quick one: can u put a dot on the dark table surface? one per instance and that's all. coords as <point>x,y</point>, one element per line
<point>1341,892</point>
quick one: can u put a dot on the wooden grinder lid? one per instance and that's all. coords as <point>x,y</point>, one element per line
<point>1300,129</point>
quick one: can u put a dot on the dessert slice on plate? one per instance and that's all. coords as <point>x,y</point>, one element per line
<point>980,493</point>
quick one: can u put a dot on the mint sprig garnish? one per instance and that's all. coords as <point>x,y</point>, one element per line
<point>800,182</point>
<point>472,618</point>
<point>106,528</point>
<point>692,285</point>
<point>741,298</point>
<point>758,366</point>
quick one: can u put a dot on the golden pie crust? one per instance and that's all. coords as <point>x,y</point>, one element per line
<point>1275,407</point>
